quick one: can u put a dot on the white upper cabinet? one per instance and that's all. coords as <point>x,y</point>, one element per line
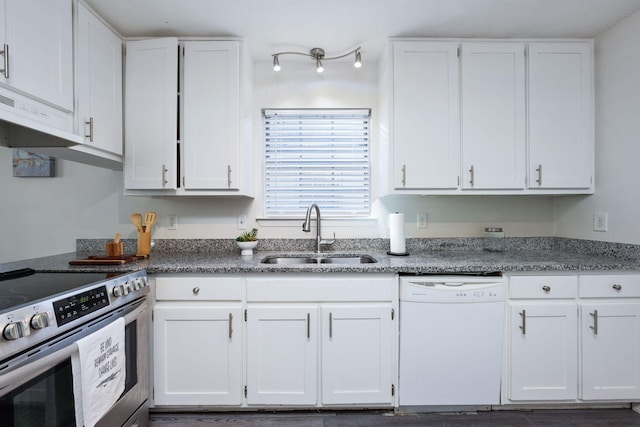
<point>38,50</point>
<point>560,115</point>
<point>211,115</point>
<point>210,154</point>
<point>426,130</point>
<point>99,82</point>
<point>151,104</point>
<point>465,116</point>
<point>493,115</point>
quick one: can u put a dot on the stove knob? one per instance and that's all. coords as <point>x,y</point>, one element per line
<point>14,330</point>
<point>40,320</point>
<point>143,282</point>
<point>117,291</point>
<point>135,284</point>
<point>126,288</point>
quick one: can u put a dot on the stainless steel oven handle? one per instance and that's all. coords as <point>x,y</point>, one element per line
<point>60,351</point>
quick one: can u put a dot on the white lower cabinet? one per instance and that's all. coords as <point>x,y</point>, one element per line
<point>321,340</point>
<point>198,341</point>
<point>282,354</point>
<point>357,366</point>
<point>544,350</point>
<point>291,340</point>
<point>610,336</point>
<point>574,338</point>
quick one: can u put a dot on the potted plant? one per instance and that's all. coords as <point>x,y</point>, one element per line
<point>247,241</point>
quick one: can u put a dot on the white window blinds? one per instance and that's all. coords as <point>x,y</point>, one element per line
<point>317,156</point>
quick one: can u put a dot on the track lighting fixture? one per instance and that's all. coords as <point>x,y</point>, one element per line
<point>317,54</point>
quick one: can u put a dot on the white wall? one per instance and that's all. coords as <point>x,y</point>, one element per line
<point>44,216</point>
<point>617,119</point>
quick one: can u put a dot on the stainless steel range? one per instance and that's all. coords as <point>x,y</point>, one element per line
<point>45,319</point>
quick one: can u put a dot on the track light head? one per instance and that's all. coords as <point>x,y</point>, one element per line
<point>276,63</point>
<point>358,62</point>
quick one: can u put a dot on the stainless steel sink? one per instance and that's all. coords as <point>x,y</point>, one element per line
<point>319,259</point>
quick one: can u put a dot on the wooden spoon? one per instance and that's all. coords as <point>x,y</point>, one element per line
<point>149,220</point>
<point>136,219</point>
<point>117,239</point>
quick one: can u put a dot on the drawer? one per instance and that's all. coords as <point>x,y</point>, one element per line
<point>544,287</point>
<point>199,288</point>
<point>610,286</point>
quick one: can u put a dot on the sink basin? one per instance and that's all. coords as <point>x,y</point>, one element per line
<point>319,259</point>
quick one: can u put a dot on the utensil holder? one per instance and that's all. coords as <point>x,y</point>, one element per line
<point>144,244</point>
<point>115,249</point>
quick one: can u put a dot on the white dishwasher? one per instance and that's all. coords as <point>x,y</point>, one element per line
<point>451,334</point>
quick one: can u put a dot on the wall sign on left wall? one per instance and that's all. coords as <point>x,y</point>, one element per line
<point>26,164</point>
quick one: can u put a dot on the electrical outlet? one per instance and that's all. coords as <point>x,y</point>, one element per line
<point>242,222</point>
<point>173,222</point>
<point>421,220</point>
<point>600,221</point>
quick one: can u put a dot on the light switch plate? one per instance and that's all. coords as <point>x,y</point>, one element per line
<point>242,222</point>
<point>421,220</point>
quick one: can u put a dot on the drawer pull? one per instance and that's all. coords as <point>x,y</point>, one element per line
<point>308,325</point>
<point>230,325</point>
<point>523,327</point>
<point>546,288</point>
<point>594,328</point>
<point>617,287</point>
<point>196,290</point>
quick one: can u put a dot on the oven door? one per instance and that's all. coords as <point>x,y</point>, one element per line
<point>36,389</point>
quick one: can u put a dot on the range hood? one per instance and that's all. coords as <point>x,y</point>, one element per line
<point>32,126</point>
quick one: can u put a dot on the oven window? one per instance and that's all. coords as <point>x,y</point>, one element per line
<point>45,401</point>
<point>131,346</point>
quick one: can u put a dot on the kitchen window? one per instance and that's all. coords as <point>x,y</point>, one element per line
<point>317,156</point>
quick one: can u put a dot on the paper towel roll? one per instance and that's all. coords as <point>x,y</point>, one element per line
<point>396,233</point>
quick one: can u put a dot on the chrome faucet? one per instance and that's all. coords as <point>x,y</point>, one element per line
<point>306,227</point>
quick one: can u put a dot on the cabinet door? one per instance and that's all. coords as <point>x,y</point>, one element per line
<point>357,354</point>
<point>610,351</point>
<point>39,38</point>
<point>197,354</point>
<point>493,116</point>
<point>282,346</point>
<point>211,115</point>
<point>560,115</point>
<point>151,122</point>
<point>544,351</point>
<point>426,119</point>
<point>99,83</point>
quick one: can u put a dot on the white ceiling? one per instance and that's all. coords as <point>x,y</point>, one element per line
<point>338,26</point>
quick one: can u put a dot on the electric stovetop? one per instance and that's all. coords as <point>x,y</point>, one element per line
<point>25,287</point>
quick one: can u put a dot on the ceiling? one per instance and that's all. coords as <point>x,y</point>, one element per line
<point>338,26</point>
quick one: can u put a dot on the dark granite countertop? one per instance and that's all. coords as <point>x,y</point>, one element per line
<point>418,261</point>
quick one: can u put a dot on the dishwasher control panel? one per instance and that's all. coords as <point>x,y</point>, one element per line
<point>455,291</point>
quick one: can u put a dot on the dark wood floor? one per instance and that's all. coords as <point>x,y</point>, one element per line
<point>546,418</point>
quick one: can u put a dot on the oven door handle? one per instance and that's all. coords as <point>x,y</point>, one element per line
<point>63,349</point>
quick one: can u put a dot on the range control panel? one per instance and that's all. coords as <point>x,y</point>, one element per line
<point>75,306</point>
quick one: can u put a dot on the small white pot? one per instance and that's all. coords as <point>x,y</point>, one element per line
<point>247,247</point>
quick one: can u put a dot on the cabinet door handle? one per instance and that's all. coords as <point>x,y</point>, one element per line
<point>229,176</point>
<point>404,176</point>
<point>308,325</point>
<point>5,55</point>
<point>196,290</point>
<point>523,327</point>
<point>546,288</point>
<point>594,328</point>
<point>330,325</point>
<point>539,170</point>
<point>164,175</point>
<point>471,174</point>
<point>90,123</point>
<point>230,325</point>
<point>617,287</point>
